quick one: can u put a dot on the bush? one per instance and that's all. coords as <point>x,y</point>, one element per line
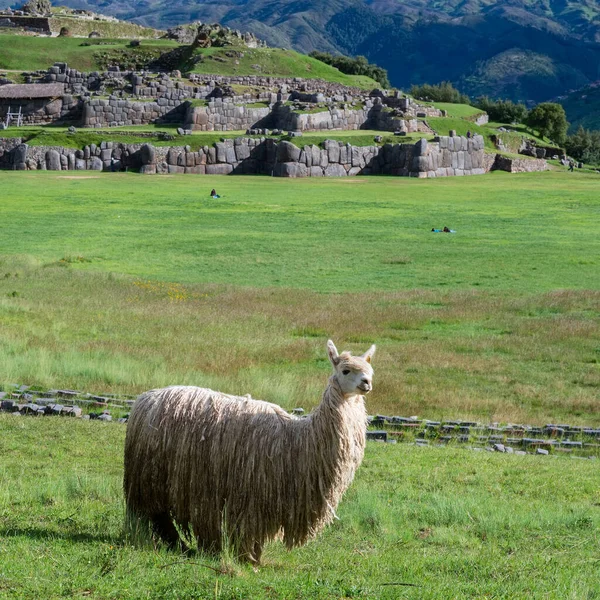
<point>358,65</point>
<point>503,111</point>
<point>440,92</point>
<point>584,145</point>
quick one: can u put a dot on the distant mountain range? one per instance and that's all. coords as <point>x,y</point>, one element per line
<point>526,50</point>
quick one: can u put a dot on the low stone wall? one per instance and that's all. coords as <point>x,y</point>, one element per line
<point>519,165</point>
<point>37,24</point>
<point>115,112</point>
<point>226,116</point>
<point>41,111</point>
<point>446,156</point>
<point>287,119</point>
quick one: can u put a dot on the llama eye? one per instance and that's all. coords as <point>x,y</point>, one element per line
<point>345,371</point>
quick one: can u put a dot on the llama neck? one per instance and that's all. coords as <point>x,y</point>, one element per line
<point>340,421</point>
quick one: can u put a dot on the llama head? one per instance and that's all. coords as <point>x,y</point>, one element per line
<point>353,373</point>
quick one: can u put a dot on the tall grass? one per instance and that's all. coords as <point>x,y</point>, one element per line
<point>490,356</point>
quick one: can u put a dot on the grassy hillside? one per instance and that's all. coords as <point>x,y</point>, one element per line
<point>109,280</point>
<point>32,53</point>
<point>424,523</point>
<point>24,53</point>
<point>272,61</point>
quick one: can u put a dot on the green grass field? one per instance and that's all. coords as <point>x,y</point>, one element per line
<point>418,523</point>
<point>121,282</point>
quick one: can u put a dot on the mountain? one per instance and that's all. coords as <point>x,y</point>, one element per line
<point>583,107</point>
<point>525,50</point>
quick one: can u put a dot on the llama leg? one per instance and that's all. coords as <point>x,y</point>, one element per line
<point>164,528</point>
<point>257,553</point>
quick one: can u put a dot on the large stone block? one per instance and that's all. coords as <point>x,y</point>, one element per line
<point>20,153</point>
<point>219,169</point>
<point>291,169</point>
<point>242,152</point>
<point>335,170</point>
<point>316,171</point>
<point>147,154</point>
<point>95,164</point>
<point>333,151</point>
<point>420,148</point>
<point>288,153</point>
<point>53,160</point>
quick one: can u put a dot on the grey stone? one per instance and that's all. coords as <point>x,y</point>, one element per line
<point>335,170</point>
<point>287,153</point>
<point>53,160</point>
<point>292,169</point>
<point>95,164</point>
<point>147,154</point>
<point>219,169</point>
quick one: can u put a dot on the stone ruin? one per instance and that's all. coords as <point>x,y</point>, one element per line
<point>263,105</point>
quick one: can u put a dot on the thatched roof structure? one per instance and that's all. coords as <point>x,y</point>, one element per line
<point>31,90</point>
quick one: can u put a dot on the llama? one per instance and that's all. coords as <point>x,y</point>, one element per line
<point>232,469</point>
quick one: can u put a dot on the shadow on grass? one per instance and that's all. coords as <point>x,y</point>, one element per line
<point>36,533</point>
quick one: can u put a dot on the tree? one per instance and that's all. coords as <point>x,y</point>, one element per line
<point>502,111</point>
<point>440,92</point>
<point>550,120</point>
<point>584,145</point>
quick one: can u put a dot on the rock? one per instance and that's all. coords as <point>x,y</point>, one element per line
<point>53,160</point>
<point>147,154</point>
<point>96,164</point>
<point>292,169</point>
<point>219,169</point>
<point>499,448</point>
<point>541,451</point>
<point>20,153</point>
<point>335,170</point>
<point>287,152</point>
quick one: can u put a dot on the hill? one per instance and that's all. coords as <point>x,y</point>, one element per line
<point>583,107</point>
<point>526,51</point>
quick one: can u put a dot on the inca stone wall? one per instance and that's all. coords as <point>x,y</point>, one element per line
<point>447,156</point>
<point>519,165</point>
<point>225,116</point>
<point>113,112</point>
<point>40,111</point>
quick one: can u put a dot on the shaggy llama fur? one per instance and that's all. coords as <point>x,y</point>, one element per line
<point>231,468</point>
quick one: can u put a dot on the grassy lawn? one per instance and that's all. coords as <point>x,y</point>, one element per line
<point>120,283</point>
<point>422,523</point>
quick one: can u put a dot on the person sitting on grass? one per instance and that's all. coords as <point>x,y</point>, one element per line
<point>213,193</point>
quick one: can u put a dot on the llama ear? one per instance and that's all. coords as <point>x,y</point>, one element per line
<point>333,353</point>
<point>369,353</point>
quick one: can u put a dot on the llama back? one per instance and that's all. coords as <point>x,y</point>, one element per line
<point>182,443</point>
